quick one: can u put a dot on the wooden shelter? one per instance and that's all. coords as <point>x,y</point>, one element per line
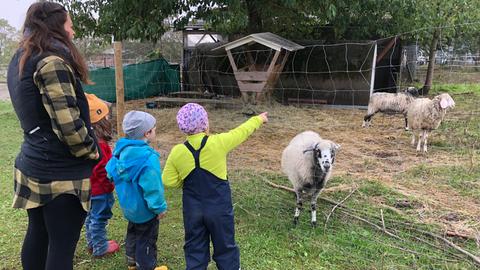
<point>255,77</point>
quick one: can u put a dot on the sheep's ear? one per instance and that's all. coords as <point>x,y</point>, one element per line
<point>336,147</point>
<point>444,103</point>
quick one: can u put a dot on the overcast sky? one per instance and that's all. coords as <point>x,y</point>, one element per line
<point>14,11</point>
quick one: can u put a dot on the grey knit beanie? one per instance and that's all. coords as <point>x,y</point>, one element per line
<point>136,123</point>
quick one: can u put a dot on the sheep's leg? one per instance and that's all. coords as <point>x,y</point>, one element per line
<point>367,118</point>
<point>413,138</point>
<point>299,206</point>
<point>406,123</point>
<point>425,137</point>
<point>313,205</point>
<point>420,139</point>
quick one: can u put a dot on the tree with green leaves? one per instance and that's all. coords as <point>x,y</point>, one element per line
<point>447,22</point>
<point>284,17</point>
<point>144,20</point>
<point>9,38</point>
<point>306,19</point>
<point>295,19</point>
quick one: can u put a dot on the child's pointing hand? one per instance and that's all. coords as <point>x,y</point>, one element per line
<point>264,117</point>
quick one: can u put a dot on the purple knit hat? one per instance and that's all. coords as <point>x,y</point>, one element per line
<point>192,118</point>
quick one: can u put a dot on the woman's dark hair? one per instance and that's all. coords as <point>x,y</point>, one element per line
<point>44,25</point>
<point>103,129</point>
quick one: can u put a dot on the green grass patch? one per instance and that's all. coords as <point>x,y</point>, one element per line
<point>12,229</point>
<point>463,180</point>
<point>457,88</point>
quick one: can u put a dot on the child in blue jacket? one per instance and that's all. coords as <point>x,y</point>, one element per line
<point>135,171</point>
<point>199,167</point>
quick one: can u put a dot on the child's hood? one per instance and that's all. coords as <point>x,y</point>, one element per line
<point>131,156</point>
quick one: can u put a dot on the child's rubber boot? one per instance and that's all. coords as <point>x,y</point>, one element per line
<point>112,248</point>
<point>163,267</point>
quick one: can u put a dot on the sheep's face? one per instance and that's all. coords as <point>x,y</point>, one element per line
<point>412,91</point>
<point>325,155</point>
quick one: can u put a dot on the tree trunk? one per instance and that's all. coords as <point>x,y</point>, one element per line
<point>255,23</point>
<point>431,63</point>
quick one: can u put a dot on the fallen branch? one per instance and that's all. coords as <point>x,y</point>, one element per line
<point>457,234</point>
<point>450,253</point>
<point>279,186</point>
<point>245,210</point>
<point>383,221</point>
<point>373,225</point>
<point>474,258</point>
<point>338,204</point>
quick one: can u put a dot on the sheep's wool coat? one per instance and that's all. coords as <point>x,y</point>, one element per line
<point>389,103</point>
<point>297,165</point>
<point>425,114</point>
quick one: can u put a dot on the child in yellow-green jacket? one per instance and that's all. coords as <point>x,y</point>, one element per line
<point>199,166</point>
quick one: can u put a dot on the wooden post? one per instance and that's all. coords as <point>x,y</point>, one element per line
<point>235,69</point>
<point>273,77</point>
<point>274,61</point>
<point>232,61</point>
<point>386,49</point>
<point>119,86</point>
<point>374,66</point>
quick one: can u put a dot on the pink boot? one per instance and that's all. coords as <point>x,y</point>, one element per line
<point>112,248</point>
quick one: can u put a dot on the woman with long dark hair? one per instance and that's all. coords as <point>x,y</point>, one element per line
<point>52,170</point>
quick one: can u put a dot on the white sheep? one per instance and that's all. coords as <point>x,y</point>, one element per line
<point>308,162</point>
<point>426,115</point>
<point>390,103</point>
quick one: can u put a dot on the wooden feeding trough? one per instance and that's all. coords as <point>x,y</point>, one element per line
<point>256,76</point>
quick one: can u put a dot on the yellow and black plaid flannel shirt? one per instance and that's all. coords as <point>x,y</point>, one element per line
<point>56,81</point>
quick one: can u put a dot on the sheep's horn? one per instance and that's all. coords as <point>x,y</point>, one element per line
<point>310,149</point>
<point>307,150</point>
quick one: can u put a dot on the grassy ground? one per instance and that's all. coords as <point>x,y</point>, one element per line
<point>409,192</point>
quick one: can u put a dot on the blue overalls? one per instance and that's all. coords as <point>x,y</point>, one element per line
<point>208,214</point>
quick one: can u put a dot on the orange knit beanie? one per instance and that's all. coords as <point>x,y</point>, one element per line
<point>98,108</point>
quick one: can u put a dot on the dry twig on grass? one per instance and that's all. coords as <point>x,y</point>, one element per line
<point>474,258</point>
<point>457,234</point>
<point>245,210</point>
<point>338,204</point>
<point>383,221</point>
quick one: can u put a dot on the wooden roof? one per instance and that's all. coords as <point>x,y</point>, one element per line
<point>267,39</point>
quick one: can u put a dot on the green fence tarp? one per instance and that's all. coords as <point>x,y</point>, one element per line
<point>152,78</point>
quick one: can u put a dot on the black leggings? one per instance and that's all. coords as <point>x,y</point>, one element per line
<point>52,234</point>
